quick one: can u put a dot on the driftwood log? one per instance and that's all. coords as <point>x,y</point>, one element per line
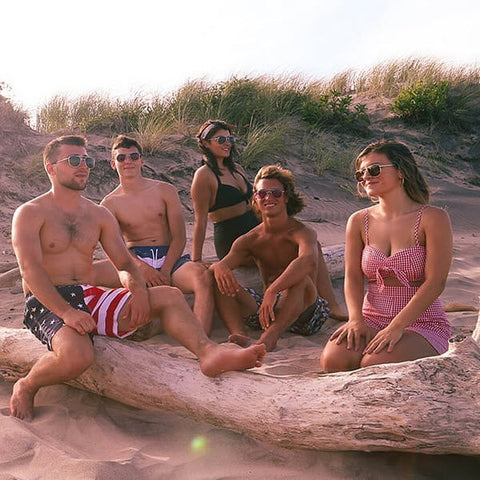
<point>429,405</point>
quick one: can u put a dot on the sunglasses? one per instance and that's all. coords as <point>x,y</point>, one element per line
<point>275,193</point>
<point>121,157</point>
<point>75,161</point>
<point>221,139</point>
<point>373,170</point>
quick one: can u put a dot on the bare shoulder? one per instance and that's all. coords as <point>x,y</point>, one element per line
<point>164,188</point>
<point>357,219</point>
<point>33,210</point>
<point>203,174</point>
<point>240,169</point>
<point>301,231</point>
<point>435,217</point>
<point>110,198</point>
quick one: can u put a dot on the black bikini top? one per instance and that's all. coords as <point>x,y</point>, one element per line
<point>228,195</point>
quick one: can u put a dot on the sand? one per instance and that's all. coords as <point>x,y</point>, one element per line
<point>77,435</point>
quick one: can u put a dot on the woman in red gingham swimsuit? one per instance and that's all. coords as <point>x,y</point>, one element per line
<point>383,302</point>
<point>402,247</point>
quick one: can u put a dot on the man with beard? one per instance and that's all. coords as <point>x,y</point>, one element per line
<point>54,237</point>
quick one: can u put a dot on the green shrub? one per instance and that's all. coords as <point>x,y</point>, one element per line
<point>335,111</point>
<point>422,103</point>
<point>439,104</point>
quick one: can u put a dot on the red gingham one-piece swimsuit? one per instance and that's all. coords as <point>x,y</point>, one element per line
<point>383,302</point>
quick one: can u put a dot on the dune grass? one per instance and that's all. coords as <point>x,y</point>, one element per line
<point>261,107</point>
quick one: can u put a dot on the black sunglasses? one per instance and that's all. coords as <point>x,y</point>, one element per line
<point>121,157</point>
<point>275,193</point>
<point>221,139</point>
<point>373,170</point>
<point>75,161</point>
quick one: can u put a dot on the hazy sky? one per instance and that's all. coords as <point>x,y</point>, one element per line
<point>119,47</point>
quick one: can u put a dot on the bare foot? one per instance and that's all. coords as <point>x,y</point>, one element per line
<point>222,358</point>
<point>240,339</point>
<point>459,307</point>
<point>338,313</point>
<point>21,401</point>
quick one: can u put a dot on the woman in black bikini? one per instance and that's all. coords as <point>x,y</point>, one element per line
<point>220,191</point>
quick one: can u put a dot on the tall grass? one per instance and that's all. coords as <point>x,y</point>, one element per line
<point>256,106</point>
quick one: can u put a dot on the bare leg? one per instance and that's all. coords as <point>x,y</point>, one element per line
<point>105,274</point>
<point>292,303</point>
<point>410,347</point>
<point>72,354</point>
<point>232,310</point>
<point>195,278</point>
<point>169,304</point>
<point>337,358</point>
<point>325,288</point>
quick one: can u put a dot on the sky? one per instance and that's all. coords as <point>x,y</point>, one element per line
<point>119,48</point>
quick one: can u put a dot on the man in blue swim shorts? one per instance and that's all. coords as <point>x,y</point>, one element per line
<point>150,216</point>
<point>54,237</point>
<point>286,253</point>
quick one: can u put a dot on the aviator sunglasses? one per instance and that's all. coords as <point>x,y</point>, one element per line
<point>121,157</point>
<point>75,161</point>
<point>275,193</point>
<point>221,139</point>
<point>373,170</point>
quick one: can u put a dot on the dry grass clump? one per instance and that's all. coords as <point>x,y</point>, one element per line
<point>11,116</point>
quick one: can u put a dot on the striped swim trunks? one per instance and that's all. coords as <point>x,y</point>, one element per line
<point>104,304</point>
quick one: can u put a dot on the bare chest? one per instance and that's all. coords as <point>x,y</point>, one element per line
<point>63,232</point>
<point>134,213</point>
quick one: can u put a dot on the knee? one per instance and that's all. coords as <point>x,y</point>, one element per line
<point>203,279</point>
<point>332,360</point>
<point>164,296</point>
<point>78,361</point>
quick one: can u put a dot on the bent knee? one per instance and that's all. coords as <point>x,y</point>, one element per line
<point>337,359</point>
<point>164,295</point>
<point>79,361</point>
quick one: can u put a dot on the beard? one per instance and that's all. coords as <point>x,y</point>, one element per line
<point>74,184</point>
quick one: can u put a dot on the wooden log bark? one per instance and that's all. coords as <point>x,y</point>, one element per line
<point>427,406</point>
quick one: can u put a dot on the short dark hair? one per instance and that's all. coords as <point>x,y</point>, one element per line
<point>295,201</point>
<point>123,141</point>
<point>403,160</point>
<point>51,148</point>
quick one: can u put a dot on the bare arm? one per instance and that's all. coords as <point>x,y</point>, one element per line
<point>128,273</point>
<point>202,197</point>
<point>439,245</point>
<point>176,225</point>
<point>28,221</point>
<point>223,270</point>
<point>355,328</point>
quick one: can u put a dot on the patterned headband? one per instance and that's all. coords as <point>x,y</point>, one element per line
<point>207,130</point>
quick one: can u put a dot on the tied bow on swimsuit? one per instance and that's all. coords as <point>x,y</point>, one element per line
<point>400,275</point>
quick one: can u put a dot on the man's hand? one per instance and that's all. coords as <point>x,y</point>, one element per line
<point>80,321</point>
<point>266,314</point>
<point>152,277</point>
<point>138,309</point>
<point>226,280</point>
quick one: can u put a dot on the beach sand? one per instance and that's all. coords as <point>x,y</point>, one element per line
<point>78,435</point>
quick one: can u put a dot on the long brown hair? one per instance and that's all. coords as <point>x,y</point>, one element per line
<point>403,160</point>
